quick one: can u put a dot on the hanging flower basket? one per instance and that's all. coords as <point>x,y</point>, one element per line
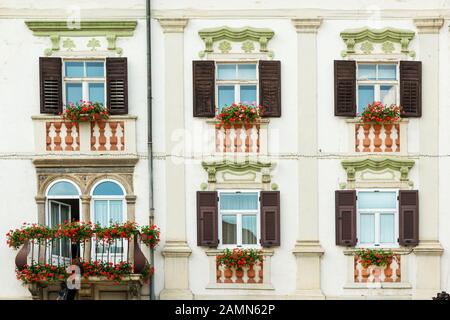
<point>150,235</point>
<point>239,113</point>
<point>377,113</point>
<point>84,111</point>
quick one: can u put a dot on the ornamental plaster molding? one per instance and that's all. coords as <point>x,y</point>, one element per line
<point>55,30</point>
<point>380,165</point>
<point>387,38</point>
<point>306,25</point>
<point>173,25</point>
<point>248,36</point>
<point>428,25</point>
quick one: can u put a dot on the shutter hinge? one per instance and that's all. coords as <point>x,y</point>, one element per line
<point>398,198</point>
<point>356,197</point>
<point>217,199</point>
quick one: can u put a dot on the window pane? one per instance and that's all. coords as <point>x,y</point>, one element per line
<point>229,235</point>
<point>239,201</point>
<point>249,229</point>
<point>101,212</point>
<point>367,228</point>
<point>387,72</point>
<point>247,71</point>
<point>226,71</point>
<point>226,95</point>
<point>63,188</point>
<point>387,228</point>
<point>108,188</point>
<point>95,69</point>
<point>387,95</point>
<point>115,210</point>
<point>377,200</point>
<point>248,94</point>
<point>54,214</point>
<point>74,92</point>
<point>97,92</point>
<point>74,69</point>
<point>365,96</point>
<point>367,71</point>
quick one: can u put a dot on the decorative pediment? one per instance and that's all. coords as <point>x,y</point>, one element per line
<point>83,35</point>
<point>236,40</point>
<point>377,41</point>
<point>378,172</point>
<point>238,173</point>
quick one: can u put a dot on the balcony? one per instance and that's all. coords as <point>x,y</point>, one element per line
<point>239,139</point>
<point>114,136</point>
<point>378,138</point>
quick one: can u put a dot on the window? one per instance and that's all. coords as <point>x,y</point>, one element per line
<point>236,83</point>
<point>377,218</point>
<point>108,207</point>
<point>376,82</point>
<point>84,80</point>
<point>239,218</point>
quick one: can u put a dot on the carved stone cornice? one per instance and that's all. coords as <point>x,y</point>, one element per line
<point>69,162</point>
<point>306,25</point>
<point>378,164</point>
<point>429,25</point>
<point>173,25</point>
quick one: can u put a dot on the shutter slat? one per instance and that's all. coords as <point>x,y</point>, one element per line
<point>207,219</point>
<point>409,217</point>
<point>270,87</point>
<point>345,88</point>
<point>345,201</point>
<point>204,88</point>
<point>50,75</point>
<point>270,218</point>
<point>411,88</point>
<point>117,85</point>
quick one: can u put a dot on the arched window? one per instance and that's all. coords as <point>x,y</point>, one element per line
<point>108,203</point>
<point>62,205</point>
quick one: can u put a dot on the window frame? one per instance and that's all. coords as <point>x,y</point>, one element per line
<point>236,82</point>
<point>377,214</point>
<point>239,215</point>
<point>83,80</point>
<point>378,83</point>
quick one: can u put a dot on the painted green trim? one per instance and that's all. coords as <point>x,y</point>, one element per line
<point>353,36</point>
<point>378,164</point>
<point>57,29</point>
<point>213,167</point>
<point>212,35</point>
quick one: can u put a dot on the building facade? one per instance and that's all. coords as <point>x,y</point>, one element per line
<point>308,184</point>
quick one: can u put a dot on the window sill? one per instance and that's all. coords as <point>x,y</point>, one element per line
<point>357,120</point>
<point>245,286</point>
<point>400,250</point>
<point>378,285</point>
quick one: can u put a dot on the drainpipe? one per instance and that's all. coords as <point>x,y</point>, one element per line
<point>149,135</point>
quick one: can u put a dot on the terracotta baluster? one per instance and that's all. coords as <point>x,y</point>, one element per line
<point>69,138</point>
<point>218,275</point>
<point>355,267</point>
<point>77,128</point>
<point>228,273</point>
<point>48,139</point>
<point>388,271</point>
<point>357,126</point>
<point>366,140</point>
<point>57,138</point>
<point>113,138</point>
<point>93,138</point>
<point>122,138</point>
<point>101,137</point>
<point>397,141</point>
<point>258,138</point>
<point>261,273</point>
<point>237,138</point>
<point>251,274</point>
<point>248,137</point>
<point>377,140</point>
<point>398,271</point>
<point>239,276</point>
<point>227,141</point>
<point>388,139</point>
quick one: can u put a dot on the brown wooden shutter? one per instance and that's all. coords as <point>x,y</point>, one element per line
<point>117,85</point>
<point>270,218</point>
<point>345,201</point>
<point>50,76</point>
<point>270,87</point>
<point>409,217</point>
<point>344,88</point>
<point>204,88</point>
<point>411,88</point>
<point>207,219</point>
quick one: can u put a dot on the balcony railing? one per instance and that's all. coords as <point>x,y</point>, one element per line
<point>378,138</point>
<point>389,273</point>
<point>239,138</point>
<point>116,135</point>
